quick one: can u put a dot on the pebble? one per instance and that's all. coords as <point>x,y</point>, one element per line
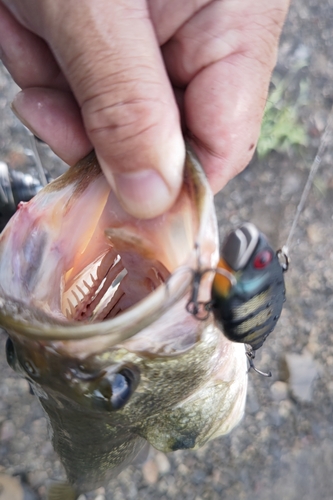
<point>158,464</point>
<point>291,184</point>
<point>315,234</point>
<point>37,478</point>
<point>285,409</point>
<point>47,448</point>
<point>302,370</point>
<point>100,494</point>
<point>163,463</point>
<point>279,390</point>
<point>183,470</point>
<point>7,431</point>
<point>150,471</point>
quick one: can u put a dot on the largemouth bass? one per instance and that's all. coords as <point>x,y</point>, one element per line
<point>94,303</point>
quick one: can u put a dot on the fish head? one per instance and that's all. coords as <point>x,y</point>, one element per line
<point>94,302</point>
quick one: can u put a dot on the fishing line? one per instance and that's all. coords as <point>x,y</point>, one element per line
<point>39,166</point>
<point>284,252</point>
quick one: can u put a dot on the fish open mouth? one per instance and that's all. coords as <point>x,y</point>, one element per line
<point>72,256</point>
<point>111,284</point>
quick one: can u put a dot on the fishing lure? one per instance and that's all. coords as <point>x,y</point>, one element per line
<point>248,311</point>
<point>248,290</point>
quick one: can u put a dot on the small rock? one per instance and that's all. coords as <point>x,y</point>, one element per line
<point>39,425</point>
<point>285,409</point>
<point>279,390</point>
<point>10,488</point>
<point>47,448</point>
<point>100,494</point>
<point>150,471</point>
<point>7,431</point>
<point>302,370</point>
<point>163,463</point>
<point>261,416</point>
<point>22,386</point>
<point>183,470</point>
<point>291,184</point>
<point>37,478</point>
<point>314,233</point>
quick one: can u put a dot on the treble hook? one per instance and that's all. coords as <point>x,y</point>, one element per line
<point>250,356</point>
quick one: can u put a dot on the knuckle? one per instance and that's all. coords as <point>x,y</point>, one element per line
<point>121,121</point>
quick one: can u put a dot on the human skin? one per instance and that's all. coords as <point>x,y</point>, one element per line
<point>131,78</point>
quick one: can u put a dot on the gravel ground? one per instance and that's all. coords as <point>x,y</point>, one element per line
<point>283,447</point>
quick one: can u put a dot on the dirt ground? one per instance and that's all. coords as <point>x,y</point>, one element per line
<point>283,447</point>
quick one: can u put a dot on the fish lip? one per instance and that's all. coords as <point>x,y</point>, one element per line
<point>15,319</point>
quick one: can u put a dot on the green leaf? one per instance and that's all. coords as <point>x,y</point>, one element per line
<point>281,128</point>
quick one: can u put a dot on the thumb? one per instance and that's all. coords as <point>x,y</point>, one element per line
<point>110,56</point>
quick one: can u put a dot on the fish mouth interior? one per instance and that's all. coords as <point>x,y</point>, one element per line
<point>119,260</point>
<point>111,284</point>
<point>115,260</point>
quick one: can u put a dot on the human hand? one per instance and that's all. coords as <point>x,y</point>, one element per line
<point>127,76</point>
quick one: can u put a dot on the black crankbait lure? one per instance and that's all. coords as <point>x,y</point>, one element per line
<point>248,311</point>
<point>248,290</point>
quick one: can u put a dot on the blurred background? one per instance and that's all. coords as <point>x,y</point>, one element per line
<point>283,448</point>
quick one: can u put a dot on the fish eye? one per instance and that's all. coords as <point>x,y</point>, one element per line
<point>262,259</point>
<point>114,390</point>
<point>10,353</point>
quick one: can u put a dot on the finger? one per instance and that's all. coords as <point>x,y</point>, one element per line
<point>26,56</point>
<point>224,122</point>
<point>129,111</point>
<point>54,116</point>
<point>221,29</point>
<point>224,57</point>
<point>169,15</point>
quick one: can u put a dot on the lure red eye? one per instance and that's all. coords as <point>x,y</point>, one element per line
<point>262,259</point>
